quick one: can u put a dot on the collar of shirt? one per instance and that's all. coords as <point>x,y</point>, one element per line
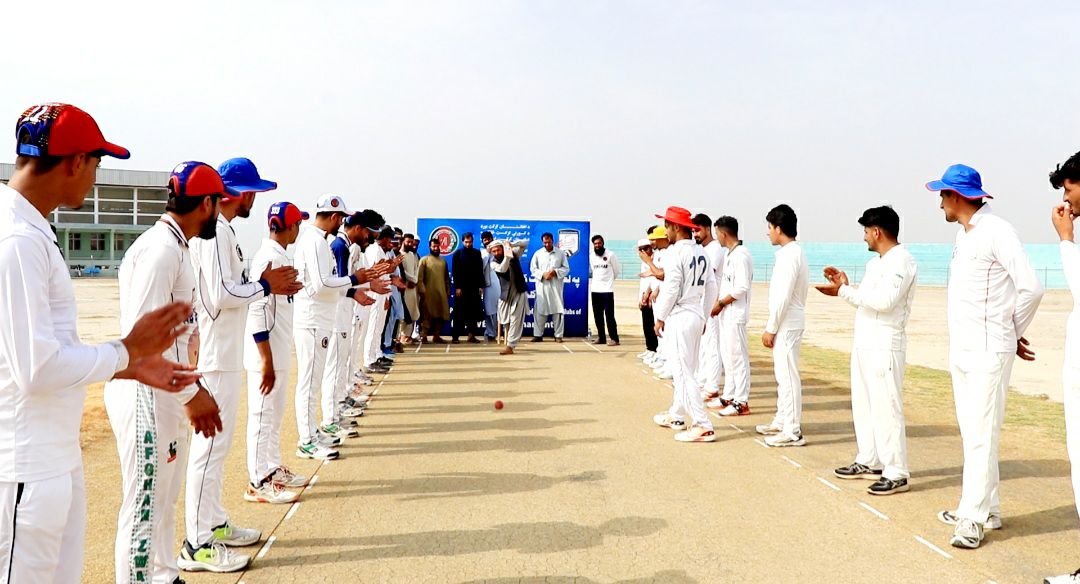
<point>983,211</point>
<point>174,228</point>
<point>28,213</point>
<point>275,246</point>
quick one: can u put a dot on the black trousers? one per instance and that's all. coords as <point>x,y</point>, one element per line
<point>603,310</point>
<point>648,325</point>
<point>468,312</point>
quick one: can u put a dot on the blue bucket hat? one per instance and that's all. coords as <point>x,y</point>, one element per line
<point>240,176</point>
<point>962,179</point>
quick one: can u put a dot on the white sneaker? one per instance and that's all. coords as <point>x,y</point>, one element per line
<point>666,420</point>
<point>785,439</point>
<point>352,412</point>
<point>664,375</point>
<point>768,429</point>
<point>236,536</point>
<point>270,492</point>
<point>323,439</point>
<point>657,364</point>
<point>967,535</point>
<point>338,431</point>
<point>646,355</point>
<point>213,558</point>
<point>287,478</point>
<point>316,451</point>
<point>951,518</point>
<point>696,434</point>
<point>1073,578</point>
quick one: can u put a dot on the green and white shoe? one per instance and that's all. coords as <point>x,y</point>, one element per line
<point>212,558</point>
<point>338,432</point>
<point>236,536</point>
<point>316,451</point>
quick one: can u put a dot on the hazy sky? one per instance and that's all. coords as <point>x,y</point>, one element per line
<point>606,111</point>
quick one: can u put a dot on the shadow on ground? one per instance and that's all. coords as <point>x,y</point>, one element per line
<point>662,577</point>
<point>453,485</point>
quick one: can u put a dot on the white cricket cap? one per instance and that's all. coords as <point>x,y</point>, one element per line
<point>644,242</point>
<point>332,204</point>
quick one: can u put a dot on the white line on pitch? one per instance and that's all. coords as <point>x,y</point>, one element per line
<point>292,511</point>
<point>567,349</point>
<point>879,514</point>
<point>592,347</point>
<point>763,445</point>
<point>828,484</point>
<point>447,348</point>
<point>734,426</point>
<point>940,551</point>
<point>793,463</point>
<point>266,547</point>
<point>418,345</point>
<point>311,483</point>
<point>646,372</point>
<point>671,385</point>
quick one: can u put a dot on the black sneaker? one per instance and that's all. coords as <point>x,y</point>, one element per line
<point>885,486</point>
<point>538,339</point>
<point>857,471</point>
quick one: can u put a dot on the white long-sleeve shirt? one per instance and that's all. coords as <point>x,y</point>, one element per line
<point>315,306</point>
<point>735,281</point>
<point>993,289</point>
<point>156,271</point>
<point>269,318</point>
<point>44,369</point>
<point>688,281</point>
<point>883,301</point>
<point>716,254</point>
<point>645,284</point>
<point>222,295</point>
<point>603,271</point>
<point>787,289</point>
<point>1070,263</point>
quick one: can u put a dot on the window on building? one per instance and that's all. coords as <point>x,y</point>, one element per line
<point>106,206</point>
<point>115,219</point>
<point>97,242</point>
<point>120,242</point>
<point>116,193</point>
<point>74,241</point>
<point>72,217</point>
<point>153,195</point>
<point>154,207</point>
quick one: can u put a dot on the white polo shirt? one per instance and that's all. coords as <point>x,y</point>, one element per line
<point>603,270</point>
<point>156,271</point>
<point>883,300</point>
<point>269,318</point>
<point>222,295</point>
<point>44,369</point>
<point>735,281</point>
<point>993,289</point>
<point>688,281</point>
<point>787,289</point>
<point>315,306</point>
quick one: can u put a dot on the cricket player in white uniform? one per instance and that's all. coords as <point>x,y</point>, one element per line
<point>268,342</point>
<point>689,285</point>
<point>784,330</point>
<point>151,430</point>
<point>733,309</point>
<point>222,295</point>
<point>992,297</point>
<point>373,359</point>
<point>711,367</point>
<point>44,368</point>
<point>549,268</point>
<point>645,280</point>
<point>883,304</point>
<point>357,397</point>
<point>315,310</point>
<point>655,263</point>
<point>1067,177</point>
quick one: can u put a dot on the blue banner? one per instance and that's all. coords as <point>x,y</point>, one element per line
<point>570,236</point>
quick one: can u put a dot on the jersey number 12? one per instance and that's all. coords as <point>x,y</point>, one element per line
<point>697,276</point>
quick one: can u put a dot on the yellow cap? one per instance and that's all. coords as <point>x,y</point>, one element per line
<point>659,233</point>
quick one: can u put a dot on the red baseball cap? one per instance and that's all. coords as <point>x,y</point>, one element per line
<point>284,215</point>
<point>59,129</point>
<point>678,216</point>
<point>195,179</point>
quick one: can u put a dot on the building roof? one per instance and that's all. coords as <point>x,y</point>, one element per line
<point>112,176</point>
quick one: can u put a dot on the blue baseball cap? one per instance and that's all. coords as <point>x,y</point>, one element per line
<point>963,179</point>
<point>241,176</point>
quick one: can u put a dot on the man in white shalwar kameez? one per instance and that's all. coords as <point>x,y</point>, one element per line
<point>549,268</point>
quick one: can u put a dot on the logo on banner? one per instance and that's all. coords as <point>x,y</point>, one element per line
<point>447,238</point>
<point>569,241</point>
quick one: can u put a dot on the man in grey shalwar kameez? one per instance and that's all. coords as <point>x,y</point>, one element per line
<point>514,289</point>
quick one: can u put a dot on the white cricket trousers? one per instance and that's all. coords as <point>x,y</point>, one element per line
<point>735,351</point>
<point>43,530</point>
<point>265,415</point>
<point>357,336</point>
<point>877,410</point>
<point>335,378</point>
<point>1071,378</point>
<point>711,364</point>
<point>788,382</point>
<point>151,430</point>
<point>980,382</point>
<point>311,346</point>
<point>204,504</point>
<point>683,331</point>
<point>373,334</point>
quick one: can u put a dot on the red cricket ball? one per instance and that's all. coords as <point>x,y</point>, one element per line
<point>498,404</point>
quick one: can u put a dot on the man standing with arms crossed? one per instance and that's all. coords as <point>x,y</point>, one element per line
<point>733,308</point>
<point>883,305</point>
<point>689,285</point>
<point>223,293</point>
<point>268,360</point>
<point>467,267</point>
<point>712,366</point>
<point>151,430</point>
<point>603,271</point>
<point>992,298</point>
<point>549,268</point>
<point>1067,177</point>
<point>784,330</point>
<point>44,368</point>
